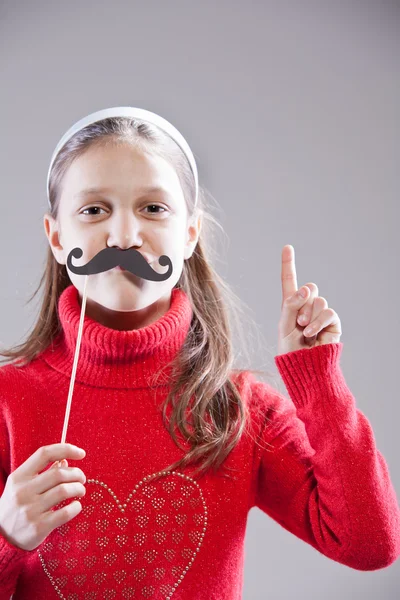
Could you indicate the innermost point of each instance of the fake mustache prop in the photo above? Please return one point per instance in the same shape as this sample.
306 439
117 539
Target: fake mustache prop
107 259
131 260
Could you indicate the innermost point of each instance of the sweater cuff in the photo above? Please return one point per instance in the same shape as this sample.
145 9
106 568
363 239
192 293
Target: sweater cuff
11 557
308 371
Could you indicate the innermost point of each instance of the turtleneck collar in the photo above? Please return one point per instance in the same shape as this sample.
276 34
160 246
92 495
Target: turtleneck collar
113 358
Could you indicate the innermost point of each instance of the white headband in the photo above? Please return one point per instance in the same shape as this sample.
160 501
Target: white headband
128 111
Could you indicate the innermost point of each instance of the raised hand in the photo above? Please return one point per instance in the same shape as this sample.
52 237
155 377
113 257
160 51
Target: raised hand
306 321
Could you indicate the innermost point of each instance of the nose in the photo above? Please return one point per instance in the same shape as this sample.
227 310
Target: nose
125 232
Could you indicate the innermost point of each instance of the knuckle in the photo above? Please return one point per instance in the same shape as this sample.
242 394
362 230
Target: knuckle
60 475
322 300
292 300
19 497
45 451
27 512
313 287
80 489
38 528
63 490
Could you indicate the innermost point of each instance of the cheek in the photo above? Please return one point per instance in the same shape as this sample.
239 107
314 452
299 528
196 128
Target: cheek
175 255
168 242
90 248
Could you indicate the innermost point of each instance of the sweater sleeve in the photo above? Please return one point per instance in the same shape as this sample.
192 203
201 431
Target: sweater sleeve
318 472
11 557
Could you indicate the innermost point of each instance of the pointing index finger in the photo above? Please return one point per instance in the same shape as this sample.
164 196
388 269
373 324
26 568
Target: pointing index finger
288 272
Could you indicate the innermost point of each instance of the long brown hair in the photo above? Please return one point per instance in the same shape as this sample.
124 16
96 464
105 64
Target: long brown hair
201 379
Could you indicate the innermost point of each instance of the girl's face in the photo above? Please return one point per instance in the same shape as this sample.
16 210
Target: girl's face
123 212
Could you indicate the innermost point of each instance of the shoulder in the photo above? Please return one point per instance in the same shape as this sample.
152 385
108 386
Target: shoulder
13 379
13 372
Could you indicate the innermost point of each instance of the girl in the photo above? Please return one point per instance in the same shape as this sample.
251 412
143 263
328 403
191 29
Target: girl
177 445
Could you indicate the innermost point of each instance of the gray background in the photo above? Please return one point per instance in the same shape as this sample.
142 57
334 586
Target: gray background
291 109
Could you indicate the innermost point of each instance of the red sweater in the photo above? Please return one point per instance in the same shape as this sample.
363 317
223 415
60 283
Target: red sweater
309 462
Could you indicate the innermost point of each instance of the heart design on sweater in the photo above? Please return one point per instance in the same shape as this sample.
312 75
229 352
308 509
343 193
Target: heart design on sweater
140 549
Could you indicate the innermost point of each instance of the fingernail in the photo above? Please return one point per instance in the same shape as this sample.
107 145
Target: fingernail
303 292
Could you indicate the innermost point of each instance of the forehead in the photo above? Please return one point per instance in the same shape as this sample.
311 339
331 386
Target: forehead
120 167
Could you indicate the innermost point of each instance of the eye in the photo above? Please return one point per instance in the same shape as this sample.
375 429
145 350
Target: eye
91 208
155 206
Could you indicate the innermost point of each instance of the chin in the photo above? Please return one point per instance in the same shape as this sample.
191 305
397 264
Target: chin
128 299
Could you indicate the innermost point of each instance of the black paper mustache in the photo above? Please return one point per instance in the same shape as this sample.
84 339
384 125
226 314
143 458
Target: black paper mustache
130 259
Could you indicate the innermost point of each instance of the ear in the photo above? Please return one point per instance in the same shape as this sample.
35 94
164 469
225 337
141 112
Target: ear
193 233
53 234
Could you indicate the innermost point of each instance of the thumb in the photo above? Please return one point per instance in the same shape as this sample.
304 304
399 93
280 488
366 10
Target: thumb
290 309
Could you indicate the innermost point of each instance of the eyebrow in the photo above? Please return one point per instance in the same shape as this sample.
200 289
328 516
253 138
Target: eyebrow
142 190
